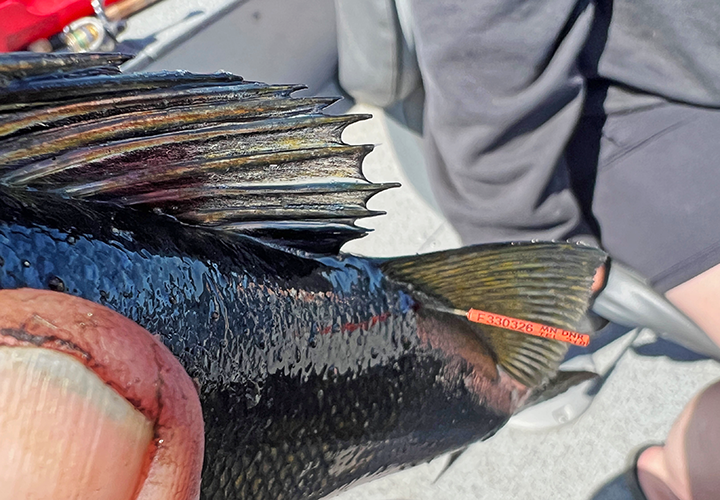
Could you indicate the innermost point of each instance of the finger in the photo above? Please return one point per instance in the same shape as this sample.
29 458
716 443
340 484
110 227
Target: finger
90 399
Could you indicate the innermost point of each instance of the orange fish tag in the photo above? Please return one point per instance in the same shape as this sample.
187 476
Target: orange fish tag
529 327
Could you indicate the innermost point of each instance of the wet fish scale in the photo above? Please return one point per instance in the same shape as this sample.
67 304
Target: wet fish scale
345 401
362 433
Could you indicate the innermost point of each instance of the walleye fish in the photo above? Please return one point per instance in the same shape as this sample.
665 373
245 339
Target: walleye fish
211 210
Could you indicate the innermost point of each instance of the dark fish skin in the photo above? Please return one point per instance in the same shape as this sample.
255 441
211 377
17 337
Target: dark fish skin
313 373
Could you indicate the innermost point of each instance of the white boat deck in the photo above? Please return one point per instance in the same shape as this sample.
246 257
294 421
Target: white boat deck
581 460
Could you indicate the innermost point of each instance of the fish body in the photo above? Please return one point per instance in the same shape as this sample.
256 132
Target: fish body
315 369
311 371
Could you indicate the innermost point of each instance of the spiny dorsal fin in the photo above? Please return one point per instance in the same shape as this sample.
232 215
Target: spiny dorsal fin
16 66
84 111
210 150
548 283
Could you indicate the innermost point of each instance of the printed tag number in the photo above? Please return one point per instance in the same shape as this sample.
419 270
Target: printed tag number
518 325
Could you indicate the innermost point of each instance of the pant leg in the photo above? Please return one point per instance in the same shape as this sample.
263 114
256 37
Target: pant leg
503 96
657 193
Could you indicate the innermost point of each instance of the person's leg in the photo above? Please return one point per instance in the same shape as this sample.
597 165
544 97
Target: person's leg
656 201
499 112
699 298
687 467
656 196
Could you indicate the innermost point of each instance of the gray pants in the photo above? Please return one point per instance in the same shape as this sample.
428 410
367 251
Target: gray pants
529 134
657 193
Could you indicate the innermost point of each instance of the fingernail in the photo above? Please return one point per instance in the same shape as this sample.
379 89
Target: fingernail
64 433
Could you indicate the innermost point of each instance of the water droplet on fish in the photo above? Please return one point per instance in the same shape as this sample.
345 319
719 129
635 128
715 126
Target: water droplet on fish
127 235
56 284
215 316
373 353
252 397
71 240
26 263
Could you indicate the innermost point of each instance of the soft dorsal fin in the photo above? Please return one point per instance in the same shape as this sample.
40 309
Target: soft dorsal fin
548 283
210 150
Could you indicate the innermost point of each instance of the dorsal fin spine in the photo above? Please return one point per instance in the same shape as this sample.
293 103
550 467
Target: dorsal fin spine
209 150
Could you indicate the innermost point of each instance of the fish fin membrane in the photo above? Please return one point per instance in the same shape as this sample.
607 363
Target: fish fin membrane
213 151
546 282
452 458
560 383
20 65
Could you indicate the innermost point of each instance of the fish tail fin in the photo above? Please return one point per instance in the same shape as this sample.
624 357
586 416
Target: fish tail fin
547 283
